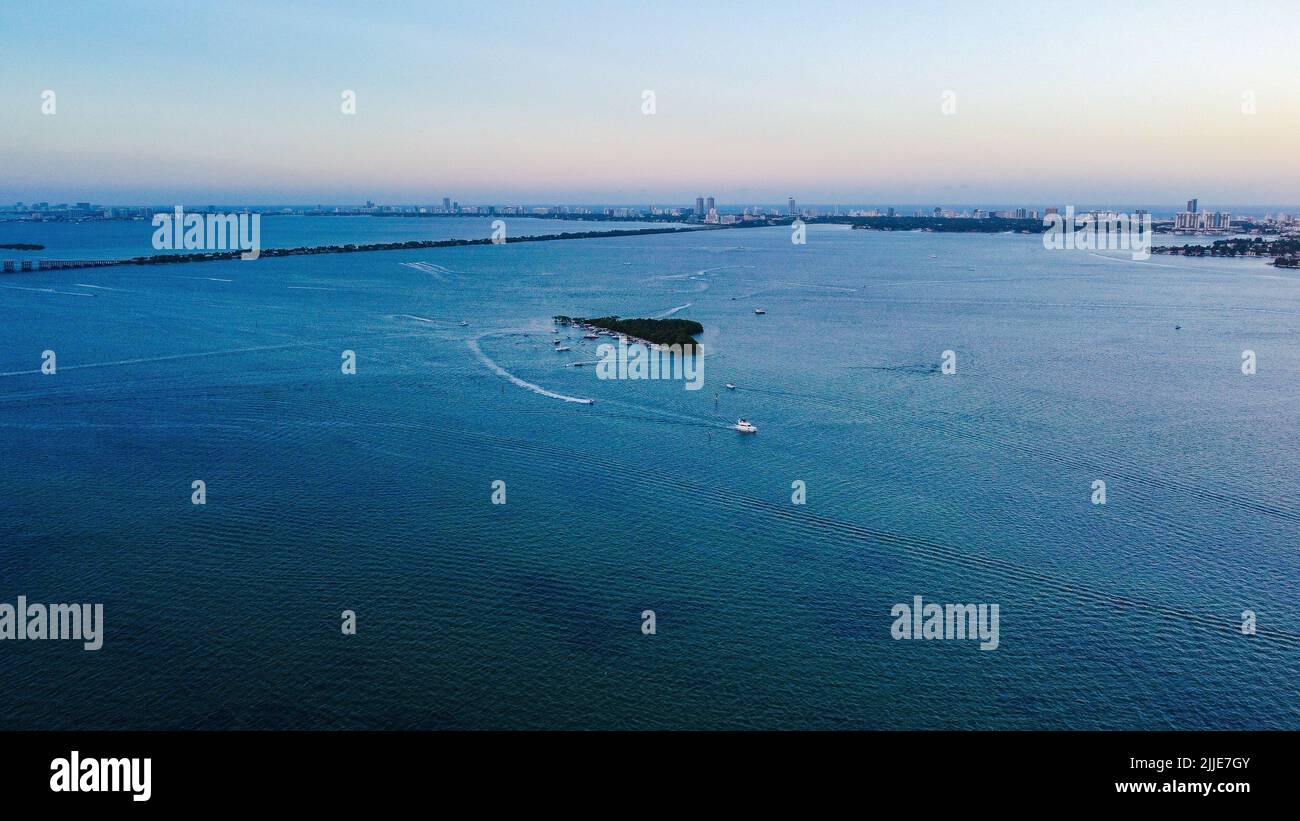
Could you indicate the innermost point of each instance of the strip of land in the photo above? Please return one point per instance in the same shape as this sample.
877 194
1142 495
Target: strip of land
1285 251
215 256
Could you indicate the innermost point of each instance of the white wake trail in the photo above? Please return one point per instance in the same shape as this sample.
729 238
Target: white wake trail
672 311
160 358
502 372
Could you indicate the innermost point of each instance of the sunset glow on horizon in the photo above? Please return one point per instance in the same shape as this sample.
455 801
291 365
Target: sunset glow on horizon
530 103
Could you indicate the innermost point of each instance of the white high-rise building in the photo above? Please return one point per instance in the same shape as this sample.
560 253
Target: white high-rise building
1203 221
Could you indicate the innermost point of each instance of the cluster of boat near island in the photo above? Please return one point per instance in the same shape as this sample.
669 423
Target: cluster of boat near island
595 332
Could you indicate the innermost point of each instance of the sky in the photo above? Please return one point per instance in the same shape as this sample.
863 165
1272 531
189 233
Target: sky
512 102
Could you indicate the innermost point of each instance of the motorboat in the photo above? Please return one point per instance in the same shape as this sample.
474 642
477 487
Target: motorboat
563 348
759 311
744 427
730 387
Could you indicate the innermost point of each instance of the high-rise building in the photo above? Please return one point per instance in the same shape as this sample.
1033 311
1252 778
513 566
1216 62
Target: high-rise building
1191 206
793 209
446 203
1202 220
708 205
699 206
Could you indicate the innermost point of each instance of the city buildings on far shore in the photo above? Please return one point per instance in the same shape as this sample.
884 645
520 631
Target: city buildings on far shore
1197 221
706 210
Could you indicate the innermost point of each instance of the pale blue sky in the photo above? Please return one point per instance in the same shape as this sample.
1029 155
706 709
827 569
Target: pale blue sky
541 102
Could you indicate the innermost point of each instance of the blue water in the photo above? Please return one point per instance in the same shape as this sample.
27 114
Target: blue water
372 492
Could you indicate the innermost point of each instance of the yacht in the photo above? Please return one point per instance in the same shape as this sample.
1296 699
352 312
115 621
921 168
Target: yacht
464 323
759 311
563 348
730 387
591 336
745 427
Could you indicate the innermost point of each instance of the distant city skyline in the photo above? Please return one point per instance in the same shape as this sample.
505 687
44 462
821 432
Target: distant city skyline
432 206
533 104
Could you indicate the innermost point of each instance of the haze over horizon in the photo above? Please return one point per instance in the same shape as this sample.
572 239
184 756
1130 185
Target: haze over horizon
537 104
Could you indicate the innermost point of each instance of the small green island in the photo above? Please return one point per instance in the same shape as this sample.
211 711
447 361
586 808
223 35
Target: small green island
654 331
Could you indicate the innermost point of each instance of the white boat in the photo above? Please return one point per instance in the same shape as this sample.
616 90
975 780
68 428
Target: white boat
759 311
563 348
591 336
744 427
730 387
464 323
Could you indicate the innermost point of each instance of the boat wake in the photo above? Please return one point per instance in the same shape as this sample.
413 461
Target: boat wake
505 374
436 271
169 358
45 290
420 318
672 311
657 414
98 287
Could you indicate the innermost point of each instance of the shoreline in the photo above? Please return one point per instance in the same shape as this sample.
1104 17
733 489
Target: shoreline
34 265
1284 250
592 326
